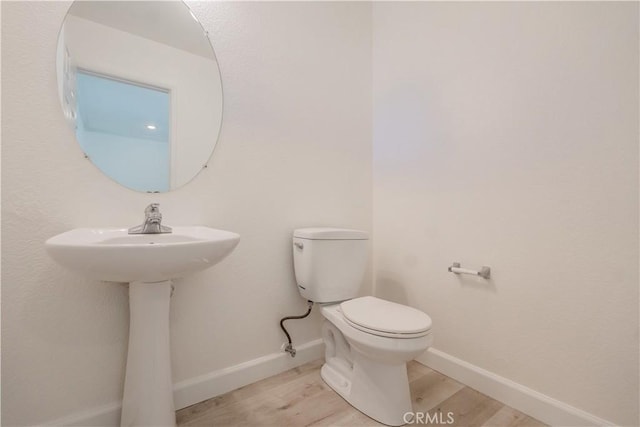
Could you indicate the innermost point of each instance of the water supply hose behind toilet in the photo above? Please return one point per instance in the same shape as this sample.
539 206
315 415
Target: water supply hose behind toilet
289 348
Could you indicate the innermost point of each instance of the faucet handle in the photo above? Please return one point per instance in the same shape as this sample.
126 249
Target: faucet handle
152 214
153 207
152 222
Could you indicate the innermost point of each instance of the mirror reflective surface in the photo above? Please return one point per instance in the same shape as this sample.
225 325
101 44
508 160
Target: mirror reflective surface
140 85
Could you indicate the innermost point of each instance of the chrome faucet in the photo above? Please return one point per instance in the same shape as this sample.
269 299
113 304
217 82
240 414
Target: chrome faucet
152 222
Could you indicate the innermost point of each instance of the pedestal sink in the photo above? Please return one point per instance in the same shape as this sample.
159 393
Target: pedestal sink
148 262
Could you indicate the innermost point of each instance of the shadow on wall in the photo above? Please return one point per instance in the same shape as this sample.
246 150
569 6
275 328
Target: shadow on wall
390 287
470 281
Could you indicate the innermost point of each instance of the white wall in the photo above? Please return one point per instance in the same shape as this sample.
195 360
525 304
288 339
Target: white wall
506 134
295 151
193 82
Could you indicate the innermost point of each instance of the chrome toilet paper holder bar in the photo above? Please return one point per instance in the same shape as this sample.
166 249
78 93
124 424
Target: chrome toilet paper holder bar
485 272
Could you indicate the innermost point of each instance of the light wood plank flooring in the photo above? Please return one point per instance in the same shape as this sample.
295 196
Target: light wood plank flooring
299 397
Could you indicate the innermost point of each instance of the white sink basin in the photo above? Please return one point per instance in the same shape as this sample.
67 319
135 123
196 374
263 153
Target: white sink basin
111 254
148 262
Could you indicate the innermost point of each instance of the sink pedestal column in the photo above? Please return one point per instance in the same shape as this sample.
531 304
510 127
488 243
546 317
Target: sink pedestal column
148 386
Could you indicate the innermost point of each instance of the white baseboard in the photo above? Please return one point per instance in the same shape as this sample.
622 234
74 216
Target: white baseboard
206 386
105 415
517 396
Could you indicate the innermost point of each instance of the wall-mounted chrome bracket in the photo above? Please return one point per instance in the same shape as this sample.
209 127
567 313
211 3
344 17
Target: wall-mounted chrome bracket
485 272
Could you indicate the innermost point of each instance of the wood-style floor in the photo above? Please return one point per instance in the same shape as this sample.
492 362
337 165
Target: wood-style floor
299 397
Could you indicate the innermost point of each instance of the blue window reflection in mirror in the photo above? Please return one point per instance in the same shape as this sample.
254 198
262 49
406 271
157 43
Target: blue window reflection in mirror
124 127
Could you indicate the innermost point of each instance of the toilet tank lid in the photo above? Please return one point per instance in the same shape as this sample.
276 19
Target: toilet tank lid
329 233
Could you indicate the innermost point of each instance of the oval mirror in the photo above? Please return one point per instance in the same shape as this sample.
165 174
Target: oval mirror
140 85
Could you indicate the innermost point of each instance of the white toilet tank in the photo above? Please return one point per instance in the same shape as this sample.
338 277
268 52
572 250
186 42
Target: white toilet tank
329 262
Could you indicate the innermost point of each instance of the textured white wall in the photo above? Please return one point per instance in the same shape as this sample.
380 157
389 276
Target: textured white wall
295 151
506 134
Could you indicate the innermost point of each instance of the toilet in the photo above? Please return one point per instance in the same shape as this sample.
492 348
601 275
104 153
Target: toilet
368 341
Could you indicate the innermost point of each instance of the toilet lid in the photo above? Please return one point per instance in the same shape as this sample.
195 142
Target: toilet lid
384 316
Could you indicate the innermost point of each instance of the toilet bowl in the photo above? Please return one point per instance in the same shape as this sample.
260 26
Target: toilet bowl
369 369
368 340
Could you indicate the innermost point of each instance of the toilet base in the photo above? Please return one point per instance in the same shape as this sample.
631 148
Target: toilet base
369 371
378 391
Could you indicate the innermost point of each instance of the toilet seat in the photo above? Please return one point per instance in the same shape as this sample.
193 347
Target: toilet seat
384 318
